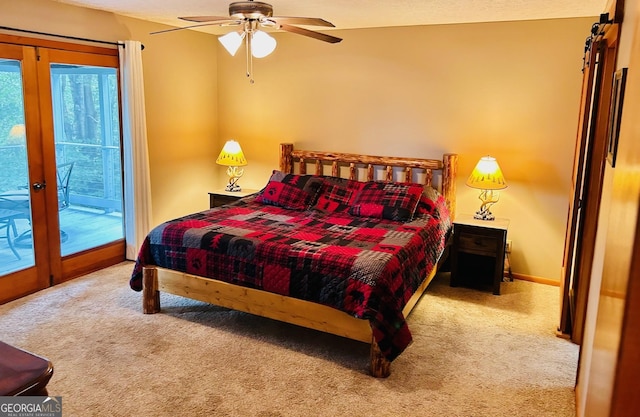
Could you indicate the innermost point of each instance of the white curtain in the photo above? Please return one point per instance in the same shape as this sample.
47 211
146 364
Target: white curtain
137 189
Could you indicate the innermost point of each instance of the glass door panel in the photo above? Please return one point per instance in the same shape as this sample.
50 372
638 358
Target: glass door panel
87 148
24 261
16 248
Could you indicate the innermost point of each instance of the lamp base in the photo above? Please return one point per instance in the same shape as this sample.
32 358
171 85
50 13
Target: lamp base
488 198
484 215
234 174
233 188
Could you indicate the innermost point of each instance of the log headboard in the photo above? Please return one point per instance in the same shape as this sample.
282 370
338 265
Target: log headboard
412 168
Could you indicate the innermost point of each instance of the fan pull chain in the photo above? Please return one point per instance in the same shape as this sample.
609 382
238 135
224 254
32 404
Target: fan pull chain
249 57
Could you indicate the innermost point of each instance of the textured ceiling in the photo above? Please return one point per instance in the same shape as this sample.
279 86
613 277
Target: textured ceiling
360 13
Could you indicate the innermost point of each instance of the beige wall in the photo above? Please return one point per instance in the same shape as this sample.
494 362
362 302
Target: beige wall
182 117
506 89
181 95
509 89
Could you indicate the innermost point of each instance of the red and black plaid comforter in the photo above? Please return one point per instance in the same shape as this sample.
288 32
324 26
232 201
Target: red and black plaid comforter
366 267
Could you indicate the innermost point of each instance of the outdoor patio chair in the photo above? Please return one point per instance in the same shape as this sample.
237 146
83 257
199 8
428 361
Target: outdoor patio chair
63 174
7 223
18 200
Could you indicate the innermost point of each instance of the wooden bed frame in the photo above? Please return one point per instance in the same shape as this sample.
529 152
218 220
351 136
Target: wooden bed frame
292 310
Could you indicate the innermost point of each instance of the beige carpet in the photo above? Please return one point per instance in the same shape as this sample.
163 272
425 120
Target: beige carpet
474 354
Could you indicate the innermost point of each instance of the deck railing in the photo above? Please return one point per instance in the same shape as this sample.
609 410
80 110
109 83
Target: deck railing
96 179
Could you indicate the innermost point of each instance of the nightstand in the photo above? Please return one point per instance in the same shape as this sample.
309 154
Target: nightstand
478 252
221 197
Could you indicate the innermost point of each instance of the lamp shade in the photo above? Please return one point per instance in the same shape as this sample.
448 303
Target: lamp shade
487 175
232 41
262 44
231 155
17 131
17 135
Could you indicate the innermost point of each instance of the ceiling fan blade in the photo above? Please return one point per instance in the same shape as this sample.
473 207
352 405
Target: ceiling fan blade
310 33
308 21
203 19
185 27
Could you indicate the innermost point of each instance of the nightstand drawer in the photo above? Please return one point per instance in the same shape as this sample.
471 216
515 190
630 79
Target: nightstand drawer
221 200
222 197
477 244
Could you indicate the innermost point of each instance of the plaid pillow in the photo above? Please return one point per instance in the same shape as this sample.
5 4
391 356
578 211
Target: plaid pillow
428 201
296 192
337 194
387 200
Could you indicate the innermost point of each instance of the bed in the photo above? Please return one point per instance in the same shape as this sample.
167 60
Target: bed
336 253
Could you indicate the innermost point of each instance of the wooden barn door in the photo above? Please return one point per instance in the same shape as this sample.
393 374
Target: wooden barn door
587 181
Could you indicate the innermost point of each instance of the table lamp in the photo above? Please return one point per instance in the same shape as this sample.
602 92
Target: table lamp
17 134
231 156
487 177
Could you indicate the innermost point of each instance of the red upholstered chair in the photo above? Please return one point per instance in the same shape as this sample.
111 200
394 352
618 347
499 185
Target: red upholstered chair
22 372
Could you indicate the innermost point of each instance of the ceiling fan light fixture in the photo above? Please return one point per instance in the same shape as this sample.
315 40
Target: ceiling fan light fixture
232 41
252 15
262 44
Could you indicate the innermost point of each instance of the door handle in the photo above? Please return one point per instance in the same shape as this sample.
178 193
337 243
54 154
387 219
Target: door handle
37 186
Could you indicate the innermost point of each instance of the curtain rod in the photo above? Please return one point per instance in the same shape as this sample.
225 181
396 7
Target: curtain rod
64 36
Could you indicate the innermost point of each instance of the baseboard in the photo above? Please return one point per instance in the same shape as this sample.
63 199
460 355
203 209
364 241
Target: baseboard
539 280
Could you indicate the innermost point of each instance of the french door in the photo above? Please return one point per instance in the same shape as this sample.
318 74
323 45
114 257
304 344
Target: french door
60 164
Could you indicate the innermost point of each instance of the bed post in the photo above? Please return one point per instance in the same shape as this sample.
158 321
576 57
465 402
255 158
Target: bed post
286 160
150 293
449 172
380 366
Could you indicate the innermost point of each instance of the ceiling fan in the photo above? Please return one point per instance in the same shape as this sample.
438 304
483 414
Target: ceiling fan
251 16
